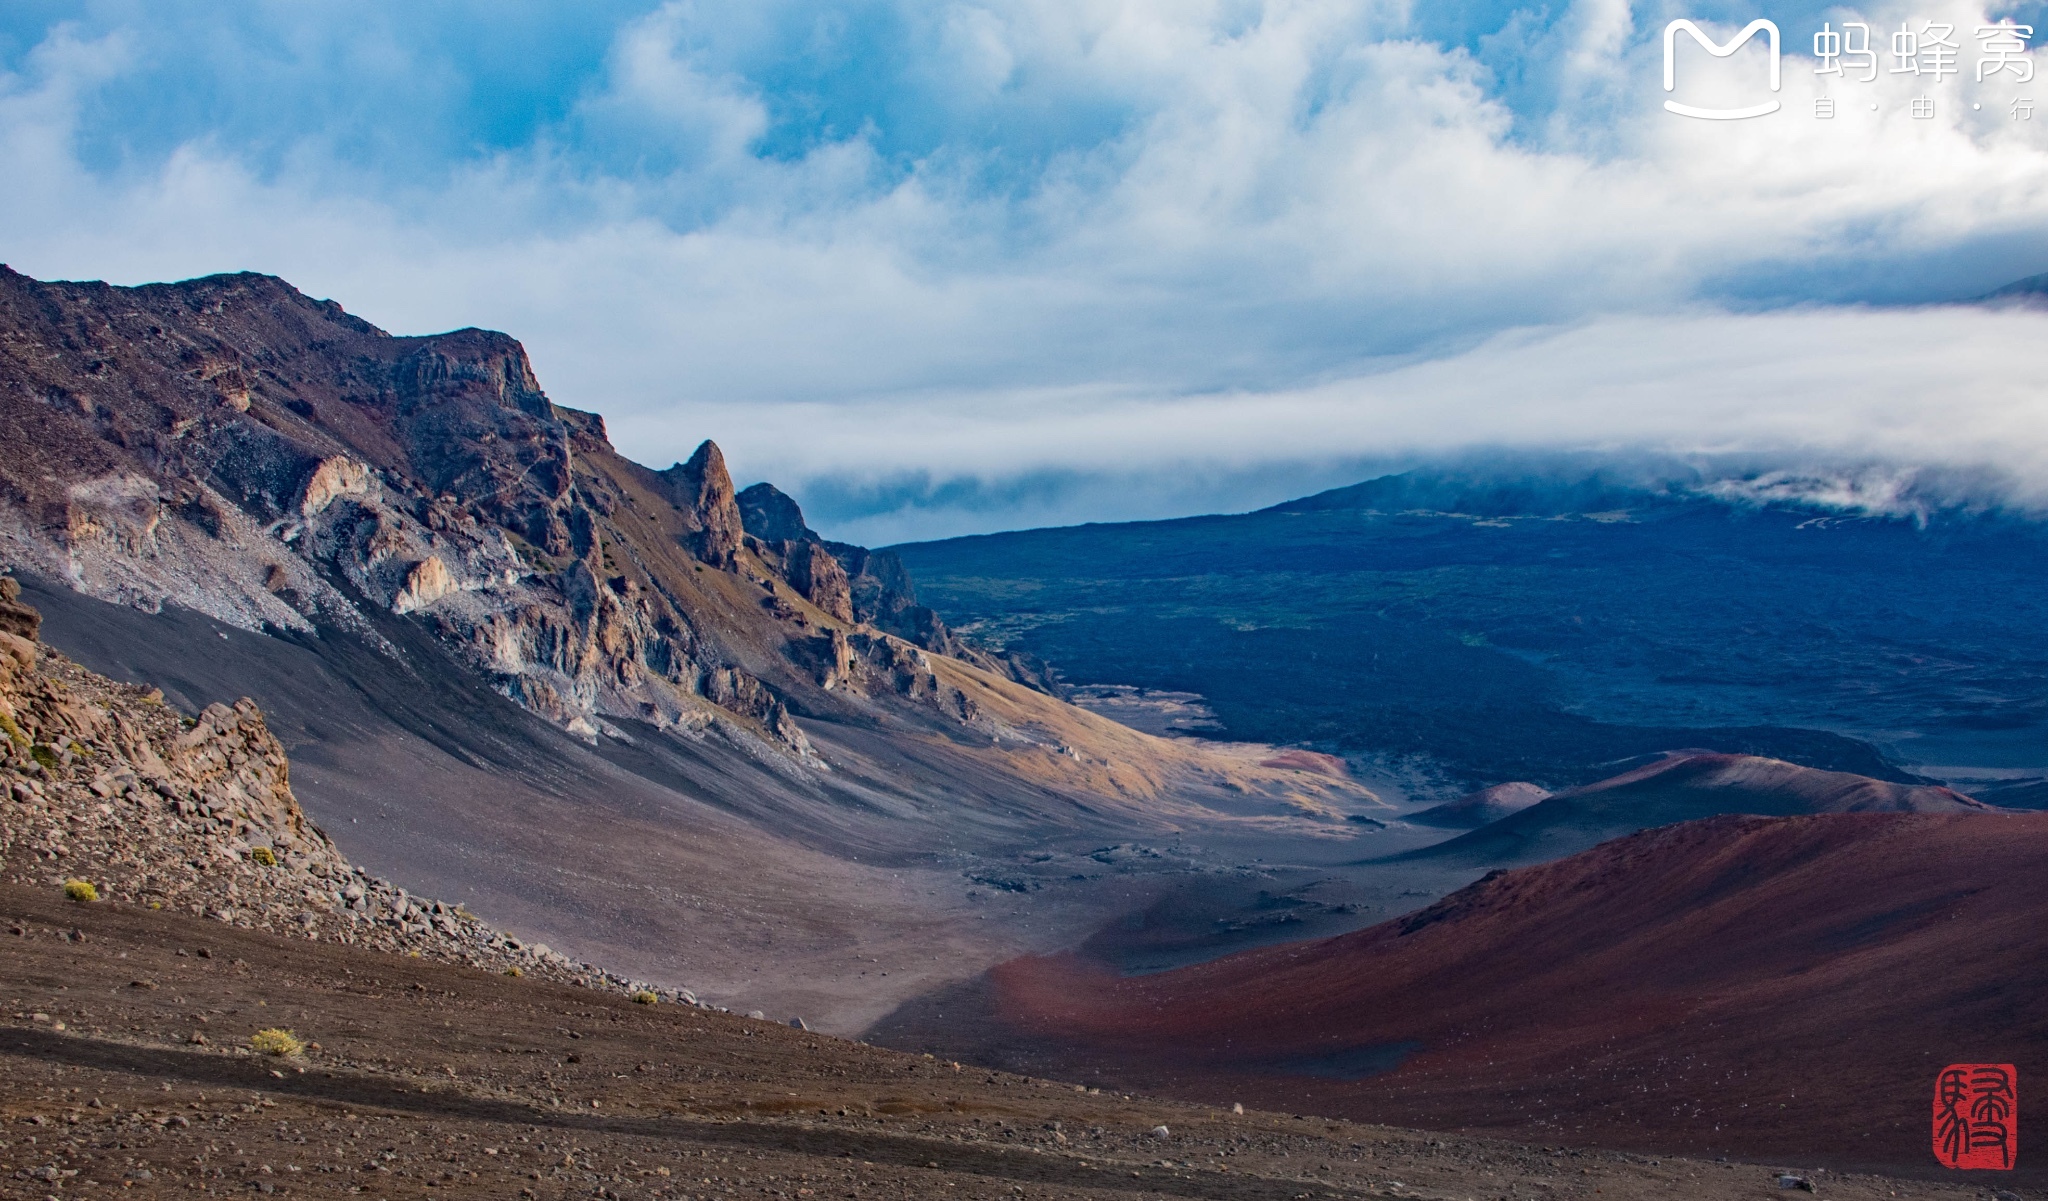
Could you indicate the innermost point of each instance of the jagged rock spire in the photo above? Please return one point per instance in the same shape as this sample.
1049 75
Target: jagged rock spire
702 489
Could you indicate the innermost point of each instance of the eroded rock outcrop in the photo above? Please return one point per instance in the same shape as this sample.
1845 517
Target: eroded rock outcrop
334 476
871 663
428 581
864 587
812 571
16 618
776 523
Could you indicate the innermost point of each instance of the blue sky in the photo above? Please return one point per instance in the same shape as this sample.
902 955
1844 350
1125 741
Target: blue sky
939 267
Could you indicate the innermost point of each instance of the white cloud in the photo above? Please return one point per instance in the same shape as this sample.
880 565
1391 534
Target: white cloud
1217 224
1822 389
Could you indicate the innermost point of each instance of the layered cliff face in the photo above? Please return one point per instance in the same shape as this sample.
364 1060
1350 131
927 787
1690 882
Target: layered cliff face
234 447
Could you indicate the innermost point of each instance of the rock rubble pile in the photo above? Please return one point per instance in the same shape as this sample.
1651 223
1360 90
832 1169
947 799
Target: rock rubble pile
103 782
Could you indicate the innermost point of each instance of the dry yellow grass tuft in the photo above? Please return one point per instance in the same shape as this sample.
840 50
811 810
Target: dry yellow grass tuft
276 1042
81 891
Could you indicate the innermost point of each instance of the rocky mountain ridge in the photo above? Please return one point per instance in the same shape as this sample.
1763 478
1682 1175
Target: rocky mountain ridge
229 445
866 587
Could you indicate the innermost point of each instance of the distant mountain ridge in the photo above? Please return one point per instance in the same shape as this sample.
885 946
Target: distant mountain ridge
2032 290
1520 622
1534 487
1481 495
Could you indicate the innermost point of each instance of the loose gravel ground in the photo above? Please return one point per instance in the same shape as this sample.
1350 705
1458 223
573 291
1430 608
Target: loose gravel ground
126 1069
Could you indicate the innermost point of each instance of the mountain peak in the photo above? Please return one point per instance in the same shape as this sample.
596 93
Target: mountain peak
772 515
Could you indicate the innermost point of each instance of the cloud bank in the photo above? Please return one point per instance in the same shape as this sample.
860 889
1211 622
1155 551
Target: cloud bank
1880 396
939 267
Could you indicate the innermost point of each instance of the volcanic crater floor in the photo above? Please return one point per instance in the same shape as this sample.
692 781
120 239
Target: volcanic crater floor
127 1071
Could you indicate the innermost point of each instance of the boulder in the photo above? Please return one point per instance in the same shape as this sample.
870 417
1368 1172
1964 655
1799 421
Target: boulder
333 477
428 581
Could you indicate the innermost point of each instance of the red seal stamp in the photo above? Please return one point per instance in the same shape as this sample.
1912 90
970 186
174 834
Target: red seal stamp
1977 1116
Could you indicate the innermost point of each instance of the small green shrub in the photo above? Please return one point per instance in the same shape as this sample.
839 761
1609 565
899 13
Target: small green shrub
276 1042
81 891
263 856
13 731
644 997
514 971
45 755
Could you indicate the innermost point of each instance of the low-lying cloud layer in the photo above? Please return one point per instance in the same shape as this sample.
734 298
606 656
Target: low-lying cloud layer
1869 395
946 266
